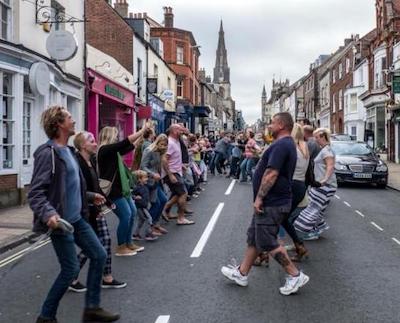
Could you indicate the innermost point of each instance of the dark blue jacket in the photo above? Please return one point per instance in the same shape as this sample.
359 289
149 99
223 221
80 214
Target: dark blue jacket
144 192
47 195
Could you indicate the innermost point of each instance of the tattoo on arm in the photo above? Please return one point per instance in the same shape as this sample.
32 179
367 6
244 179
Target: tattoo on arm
268 180
282 259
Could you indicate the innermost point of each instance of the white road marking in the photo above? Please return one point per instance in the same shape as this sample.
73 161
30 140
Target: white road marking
20 254
395 240
337 196
230 187
347 203
376 226
163 319
207 232
359 213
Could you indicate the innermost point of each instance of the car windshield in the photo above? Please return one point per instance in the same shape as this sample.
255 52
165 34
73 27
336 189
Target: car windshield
349 148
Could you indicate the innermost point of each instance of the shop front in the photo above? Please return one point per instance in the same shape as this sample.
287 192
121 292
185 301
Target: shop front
109 104
157 113
201 114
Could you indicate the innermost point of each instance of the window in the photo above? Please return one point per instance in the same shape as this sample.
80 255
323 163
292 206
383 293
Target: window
179 54
346 104
333 76
5 15
179 88
155 70
347 65
340 71
340 99
57 10
353 102
7 121
334 103
354 131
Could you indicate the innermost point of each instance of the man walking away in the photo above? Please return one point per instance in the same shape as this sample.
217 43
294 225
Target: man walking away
58 190
272 201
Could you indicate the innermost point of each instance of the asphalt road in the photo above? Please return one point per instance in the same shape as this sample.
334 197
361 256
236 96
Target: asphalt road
353 269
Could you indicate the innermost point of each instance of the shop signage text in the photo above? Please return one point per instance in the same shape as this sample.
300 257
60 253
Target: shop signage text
114 92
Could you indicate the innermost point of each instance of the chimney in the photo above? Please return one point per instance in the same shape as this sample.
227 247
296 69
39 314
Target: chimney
144 15
168 17
121 6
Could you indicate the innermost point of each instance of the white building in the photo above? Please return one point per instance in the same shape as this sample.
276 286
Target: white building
324 90
30 81
354 110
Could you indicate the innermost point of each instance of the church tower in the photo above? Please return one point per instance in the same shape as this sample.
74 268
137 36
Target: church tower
263 104
221 69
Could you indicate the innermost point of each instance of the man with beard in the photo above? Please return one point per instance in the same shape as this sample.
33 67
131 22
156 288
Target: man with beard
272 202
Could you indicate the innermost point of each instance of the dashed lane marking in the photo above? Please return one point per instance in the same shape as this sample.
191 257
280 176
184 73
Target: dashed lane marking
359 213
347 203
397 241
337 196
163 319
376 226
230 187
207 232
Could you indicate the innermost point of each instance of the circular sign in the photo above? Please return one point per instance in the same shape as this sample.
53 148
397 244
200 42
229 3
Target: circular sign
39 78
61 45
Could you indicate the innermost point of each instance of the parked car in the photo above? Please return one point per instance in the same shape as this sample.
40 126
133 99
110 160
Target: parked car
342 137
356 162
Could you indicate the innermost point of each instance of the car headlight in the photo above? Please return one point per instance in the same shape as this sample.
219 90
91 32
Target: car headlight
339 166
381 168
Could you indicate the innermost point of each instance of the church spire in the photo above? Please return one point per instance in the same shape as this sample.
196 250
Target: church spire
264 92
221 69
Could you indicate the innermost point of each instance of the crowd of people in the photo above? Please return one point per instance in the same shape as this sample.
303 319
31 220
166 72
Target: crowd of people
84 183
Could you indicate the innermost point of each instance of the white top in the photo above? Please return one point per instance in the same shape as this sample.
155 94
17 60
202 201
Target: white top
320 166
301 166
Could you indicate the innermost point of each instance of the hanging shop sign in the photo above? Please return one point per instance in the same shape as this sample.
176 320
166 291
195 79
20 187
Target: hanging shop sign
61 45
39 78
152 85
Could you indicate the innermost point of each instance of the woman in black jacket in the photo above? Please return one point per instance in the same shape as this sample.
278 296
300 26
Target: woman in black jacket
86 145
112 168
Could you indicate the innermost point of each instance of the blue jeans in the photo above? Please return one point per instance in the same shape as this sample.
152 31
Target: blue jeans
246 168
64 246
158 206
126 212
216 162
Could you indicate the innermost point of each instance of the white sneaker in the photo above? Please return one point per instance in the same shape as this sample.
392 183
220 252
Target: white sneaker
232 273
293 284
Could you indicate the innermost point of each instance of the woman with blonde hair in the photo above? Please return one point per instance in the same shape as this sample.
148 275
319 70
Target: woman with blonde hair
152 161
112 169
311 220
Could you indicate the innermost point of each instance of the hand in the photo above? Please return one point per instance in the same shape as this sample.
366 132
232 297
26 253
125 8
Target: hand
323 182
173 179
99 199
52 223
156 177
258 206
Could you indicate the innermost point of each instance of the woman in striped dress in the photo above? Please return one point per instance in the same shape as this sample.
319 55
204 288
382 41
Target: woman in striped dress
311 221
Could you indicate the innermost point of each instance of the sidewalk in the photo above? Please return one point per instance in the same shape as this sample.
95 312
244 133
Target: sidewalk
16 223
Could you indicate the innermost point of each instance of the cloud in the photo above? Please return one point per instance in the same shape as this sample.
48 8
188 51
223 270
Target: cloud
265 38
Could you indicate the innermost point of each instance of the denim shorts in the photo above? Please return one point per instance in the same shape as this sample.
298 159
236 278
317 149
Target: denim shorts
264 228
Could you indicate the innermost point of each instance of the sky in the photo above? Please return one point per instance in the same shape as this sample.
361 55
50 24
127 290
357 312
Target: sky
265 38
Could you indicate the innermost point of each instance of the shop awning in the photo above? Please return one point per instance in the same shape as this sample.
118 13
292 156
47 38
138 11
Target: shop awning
202 111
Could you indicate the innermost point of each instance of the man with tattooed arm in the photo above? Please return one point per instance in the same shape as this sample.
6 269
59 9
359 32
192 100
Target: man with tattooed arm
272 182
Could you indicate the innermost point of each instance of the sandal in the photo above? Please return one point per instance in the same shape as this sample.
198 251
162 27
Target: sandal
185 222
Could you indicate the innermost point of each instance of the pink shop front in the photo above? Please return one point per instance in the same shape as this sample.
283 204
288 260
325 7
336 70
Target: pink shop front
109 104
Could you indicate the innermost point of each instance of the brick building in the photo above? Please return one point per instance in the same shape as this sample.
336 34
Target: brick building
341 78
181 53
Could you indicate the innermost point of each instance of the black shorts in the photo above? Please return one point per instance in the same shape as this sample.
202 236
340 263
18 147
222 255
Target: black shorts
264 228
177 188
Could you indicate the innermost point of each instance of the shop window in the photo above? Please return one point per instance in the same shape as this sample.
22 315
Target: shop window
26 131
179 54
7 121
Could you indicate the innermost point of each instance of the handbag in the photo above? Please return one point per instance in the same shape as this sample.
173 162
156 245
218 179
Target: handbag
105 184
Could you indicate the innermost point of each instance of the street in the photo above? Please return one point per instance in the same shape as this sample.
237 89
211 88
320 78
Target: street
353 269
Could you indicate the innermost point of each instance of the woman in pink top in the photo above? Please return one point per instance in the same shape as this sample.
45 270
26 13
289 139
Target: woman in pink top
248 163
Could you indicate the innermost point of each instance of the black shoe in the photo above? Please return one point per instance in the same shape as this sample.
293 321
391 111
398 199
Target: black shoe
113 284
99 315
77 288
43 320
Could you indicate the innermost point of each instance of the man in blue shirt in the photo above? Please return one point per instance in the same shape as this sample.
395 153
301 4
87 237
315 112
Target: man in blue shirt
272 182
58 190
